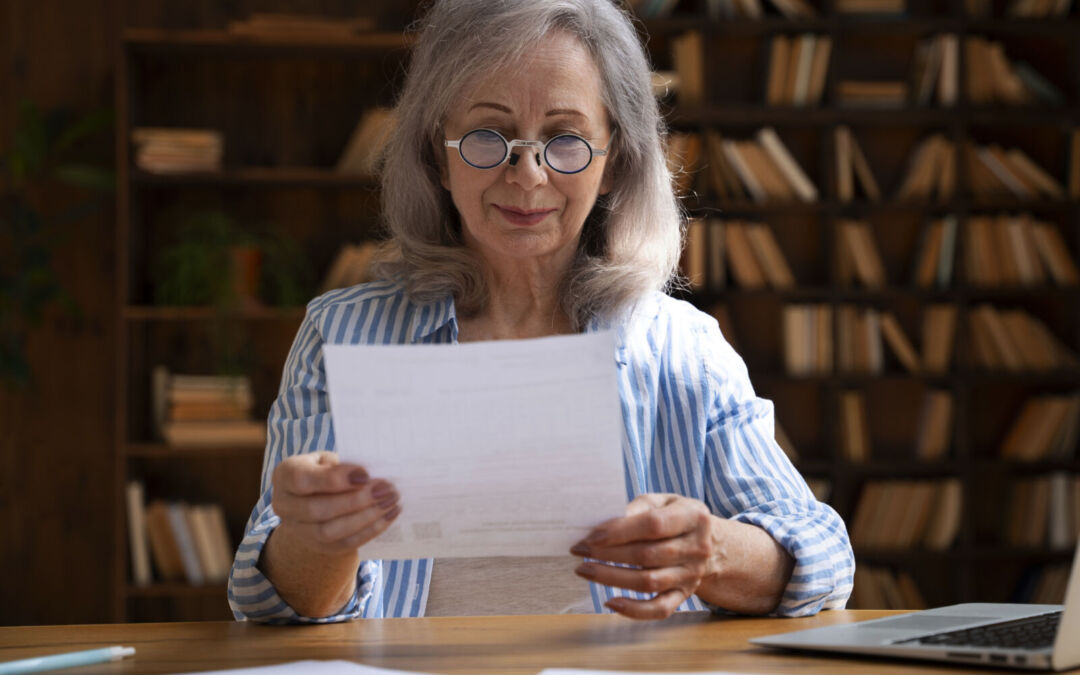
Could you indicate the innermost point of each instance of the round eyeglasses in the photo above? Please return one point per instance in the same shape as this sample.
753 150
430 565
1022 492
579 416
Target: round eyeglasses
487 149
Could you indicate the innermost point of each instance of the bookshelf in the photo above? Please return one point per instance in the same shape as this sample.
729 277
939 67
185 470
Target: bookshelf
285 106
980 564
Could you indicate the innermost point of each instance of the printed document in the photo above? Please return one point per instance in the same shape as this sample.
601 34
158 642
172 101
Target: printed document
501 448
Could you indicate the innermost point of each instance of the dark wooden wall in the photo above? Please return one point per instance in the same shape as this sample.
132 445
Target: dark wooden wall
56 447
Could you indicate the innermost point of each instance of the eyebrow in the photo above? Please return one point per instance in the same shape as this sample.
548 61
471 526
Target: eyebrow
551 113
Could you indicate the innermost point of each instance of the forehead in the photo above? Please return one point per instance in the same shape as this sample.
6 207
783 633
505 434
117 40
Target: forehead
557 73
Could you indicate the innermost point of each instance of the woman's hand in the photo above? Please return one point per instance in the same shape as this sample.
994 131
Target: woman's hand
331 508
672 539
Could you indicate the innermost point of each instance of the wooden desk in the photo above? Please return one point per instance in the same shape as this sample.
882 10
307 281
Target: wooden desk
511 645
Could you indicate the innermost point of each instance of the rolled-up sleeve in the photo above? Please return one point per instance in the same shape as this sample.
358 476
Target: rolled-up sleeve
299 422
748 478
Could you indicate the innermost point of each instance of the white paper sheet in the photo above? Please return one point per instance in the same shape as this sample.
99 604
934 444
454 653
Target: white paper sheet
503 448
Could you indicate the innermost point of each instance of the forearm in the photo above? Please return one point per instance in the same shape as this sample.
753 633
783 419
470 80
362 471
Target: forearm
313 583
752 569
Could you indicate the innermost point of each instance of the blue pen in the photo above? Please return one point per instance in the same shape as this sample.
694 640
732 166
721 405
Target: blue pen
69 660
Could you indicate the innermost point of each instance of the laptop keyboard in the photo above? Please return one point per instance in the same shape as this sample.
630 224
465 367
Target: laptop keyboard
1034 632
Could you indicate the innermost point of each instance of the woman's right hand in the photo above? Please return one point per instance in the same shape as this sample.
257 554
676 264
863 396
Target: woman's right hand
329 507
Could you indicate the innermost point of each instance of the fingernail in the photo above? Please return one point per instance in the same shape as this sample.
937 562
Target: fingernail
382 490
596 537
358 477
392 513
387 502
579 549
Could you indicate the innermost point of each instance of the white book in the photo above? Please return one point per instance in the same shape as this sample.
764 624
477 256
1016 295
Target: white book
137 534
794 174
189 557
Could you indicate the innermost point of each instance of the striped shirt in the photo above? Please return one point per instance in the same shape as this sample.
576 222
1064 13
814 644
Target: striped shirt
692 426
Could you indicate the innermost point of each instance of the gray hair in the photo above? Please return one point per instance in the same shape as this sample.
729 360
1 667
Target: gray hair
631 240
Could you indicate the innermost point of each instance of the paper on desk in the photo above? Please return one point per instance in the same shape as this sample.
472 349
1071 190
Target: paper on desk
502 448
314 667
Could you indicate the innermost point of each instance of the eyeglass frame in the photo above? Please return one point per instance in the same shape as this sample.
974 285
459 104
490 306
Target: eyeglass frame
537 145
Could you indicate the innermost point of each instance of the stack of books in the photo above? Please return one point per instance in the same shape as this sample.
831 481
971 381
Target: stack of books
935 67
797 69
366 144
859 349
1044 512
1016 250
160 150
992 78
205 410
186 542
872 93
931 170
763 168
997 172
284 26
883 588
1015 341
1047 429
907 514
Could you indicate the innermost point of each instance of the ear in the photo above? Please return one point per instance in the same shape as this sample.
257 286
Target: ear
607 181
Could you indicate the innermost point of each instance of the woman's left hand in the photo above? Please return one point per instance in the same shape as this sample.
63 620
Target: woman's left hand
671 538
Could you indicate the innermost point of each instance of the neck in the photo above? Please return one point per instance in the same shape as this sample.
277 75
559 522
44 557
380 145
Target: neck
520 305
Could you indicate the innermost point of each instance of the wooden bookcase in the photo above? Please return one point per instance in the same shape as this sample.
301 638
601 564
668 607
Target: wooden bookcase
286 108
979 566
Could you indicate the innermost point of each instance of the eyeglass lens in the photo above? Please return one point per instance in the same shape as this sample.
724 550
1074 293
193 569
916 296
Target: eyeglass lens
486 149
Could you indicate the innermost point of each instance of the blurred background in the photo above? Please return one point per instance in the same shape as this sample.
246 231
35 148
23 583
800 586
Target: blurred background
885 220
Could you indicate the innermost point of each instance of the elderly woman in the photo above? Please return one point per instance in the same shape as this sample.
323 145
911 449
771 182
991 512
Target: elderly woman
526 194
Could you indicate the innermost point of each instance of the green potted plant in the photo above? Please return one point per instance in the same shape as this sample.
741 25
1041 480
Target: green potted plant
47 150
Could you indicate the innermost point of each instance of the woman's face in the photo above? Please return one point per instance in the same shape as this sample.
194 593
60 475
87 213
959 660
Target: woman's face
528 212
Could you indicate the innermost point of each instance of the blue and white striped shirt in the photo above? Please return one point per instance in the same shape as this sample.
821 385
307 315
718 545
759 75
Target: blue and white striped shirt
692 426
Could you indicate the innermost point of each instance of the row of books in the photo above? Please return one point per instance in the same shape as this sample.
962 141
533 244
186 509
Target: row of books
1046 428
1043 585
761 168
1038 8
810 347
748 249
935 70
1013 340
998 251
1044 511
907 514
204 410
764 170
884 588
186 542
175 150
851 93
933 429
992 78
797 68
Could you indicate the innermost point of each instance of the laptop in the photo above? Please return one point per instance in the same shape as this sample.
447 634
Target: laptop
1035 637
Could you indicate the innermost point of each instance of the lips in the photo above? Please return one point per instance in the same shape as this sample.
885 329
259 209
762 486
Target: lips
523 217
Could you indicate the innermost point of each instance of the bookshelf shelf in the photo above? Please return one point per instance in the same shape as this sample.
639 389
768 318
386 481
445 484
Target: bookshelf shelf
147 313
270 177
149 40
165 452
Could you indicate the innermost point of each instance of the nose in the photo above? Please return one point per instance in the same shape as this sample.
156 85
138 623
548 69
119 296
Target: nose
528 174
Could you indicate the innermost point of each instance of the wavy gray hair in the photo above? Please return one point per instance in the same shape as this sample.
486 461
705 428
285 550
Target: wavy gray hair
631 240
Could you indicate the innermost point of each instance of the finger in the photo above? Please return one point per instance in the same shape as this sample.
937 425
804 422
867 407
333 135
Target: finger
660 607
317 474
349 530
375 529
320 508
642 580
648 501
671 520
682 550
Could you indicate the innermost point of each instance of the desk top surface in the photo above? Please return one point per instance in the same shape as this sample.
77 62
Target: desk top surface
687 642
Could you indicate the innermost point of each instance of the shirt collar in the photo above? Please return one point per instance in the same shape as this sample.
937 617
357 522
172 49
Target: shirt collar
429 318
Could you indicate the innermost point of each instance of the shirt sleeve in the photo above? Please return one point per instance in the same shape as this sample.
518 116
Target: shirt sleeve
748 478
299 422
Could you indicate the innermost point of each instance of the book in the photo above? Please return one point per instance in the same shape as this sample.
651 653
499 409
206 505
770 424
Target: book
716 267
855 443
929 251
872 93
199 528
694 254
948 80
948 510
365 145
163 544
779 55
209 434
138 539
939 325
1029 171
898 341
687 56
845 169
794 174
189 559
806 46
819 70
862 169
1054 253
769 256
934 427
742 169
744 265
862 257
